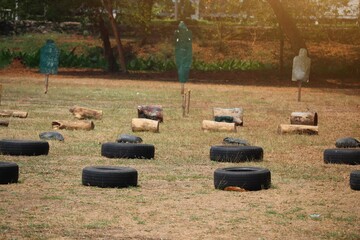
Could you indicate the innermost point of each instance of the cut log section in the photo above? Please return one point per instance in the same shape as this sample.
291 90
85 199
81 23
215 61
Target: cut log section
236 113
4 123
298 129
144 125
153 112
304 118
86 113
9 113
213 126
73 125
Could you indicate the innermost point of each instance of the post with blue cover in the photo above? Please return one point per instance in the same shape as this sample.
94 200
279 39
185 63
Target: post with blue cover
183 60
49 60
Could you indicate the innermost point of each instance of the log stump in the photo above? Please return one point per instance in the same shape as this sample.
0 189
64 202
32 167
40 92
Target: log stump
304 118
9 113
86 113
153 112
235 113
298 129
213 126
73 125
144 125
4 123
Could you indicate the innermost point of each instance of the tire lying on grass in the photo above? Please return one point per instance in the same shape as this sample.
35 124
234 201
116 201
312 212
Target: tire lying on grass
234 153
342 156
355 180
127 150
109 176
248 178
9 172
23 147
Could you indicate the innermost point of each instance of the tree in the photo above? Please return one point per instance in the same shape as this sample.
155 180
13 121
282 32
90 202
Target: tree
108 6
288 26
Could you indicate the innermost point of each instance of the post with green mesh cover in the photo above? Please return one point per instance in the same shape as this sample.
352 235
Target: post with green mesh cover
183 59
49 60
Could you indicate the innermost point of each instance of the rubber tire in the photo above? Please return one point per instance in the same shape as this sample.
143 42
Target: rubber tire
248 178
23 147
109 176
355 180
9 172
235 153
349 156
127 150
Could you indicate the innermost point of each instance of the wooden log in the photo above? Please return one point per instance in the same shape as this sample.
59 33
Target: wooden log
208 125
86 113
153 112
73 125
304 118
236 113
9 113
298 129
144 125
4 123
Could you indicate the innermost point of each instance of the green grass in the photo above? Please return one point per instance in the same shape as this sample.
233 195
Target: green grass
176 197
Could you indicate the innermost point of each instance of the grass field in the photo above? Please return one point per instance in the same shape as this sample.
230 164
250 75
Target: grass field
176 198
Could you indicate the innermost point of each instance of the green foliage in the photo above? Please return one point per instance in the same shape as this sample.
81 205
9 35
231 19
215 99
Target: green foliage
229 65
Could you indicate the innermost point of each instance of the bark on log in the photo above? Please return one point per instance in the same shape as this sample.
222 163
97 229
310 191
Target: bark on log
208 125
73 125
236 113
153 112
304 118
9 113
86 113
298 129
144 125
4 123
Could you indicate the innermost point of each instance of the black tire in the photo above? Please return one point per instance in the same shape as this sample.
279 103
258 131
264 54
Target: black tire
342 156
109 176
127 150
248 178
234 153
9 172
23 147
355 180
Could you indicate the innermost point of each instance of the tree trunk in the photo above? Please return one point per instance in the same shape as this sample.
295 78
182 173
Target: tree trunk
108 6
86 113
288 26
213 126
144 125
304 118
298 129
145 8
109 55
73 125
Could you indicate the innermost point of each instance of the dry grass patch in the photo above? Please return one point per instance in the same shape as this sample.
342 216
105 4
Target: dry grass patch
176 197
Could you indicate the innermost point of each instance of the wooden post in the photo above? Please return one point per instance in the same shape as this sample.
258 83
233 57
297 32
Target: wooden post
46 83
299 91
188 102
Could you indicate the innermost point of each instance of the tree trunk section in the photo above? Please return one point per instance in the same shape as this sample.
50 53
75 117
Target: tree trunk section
288 26
73 125
4 123
86 113
144 125
236 113
298 129
109 55
108 6
18 114
304 118
212 126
